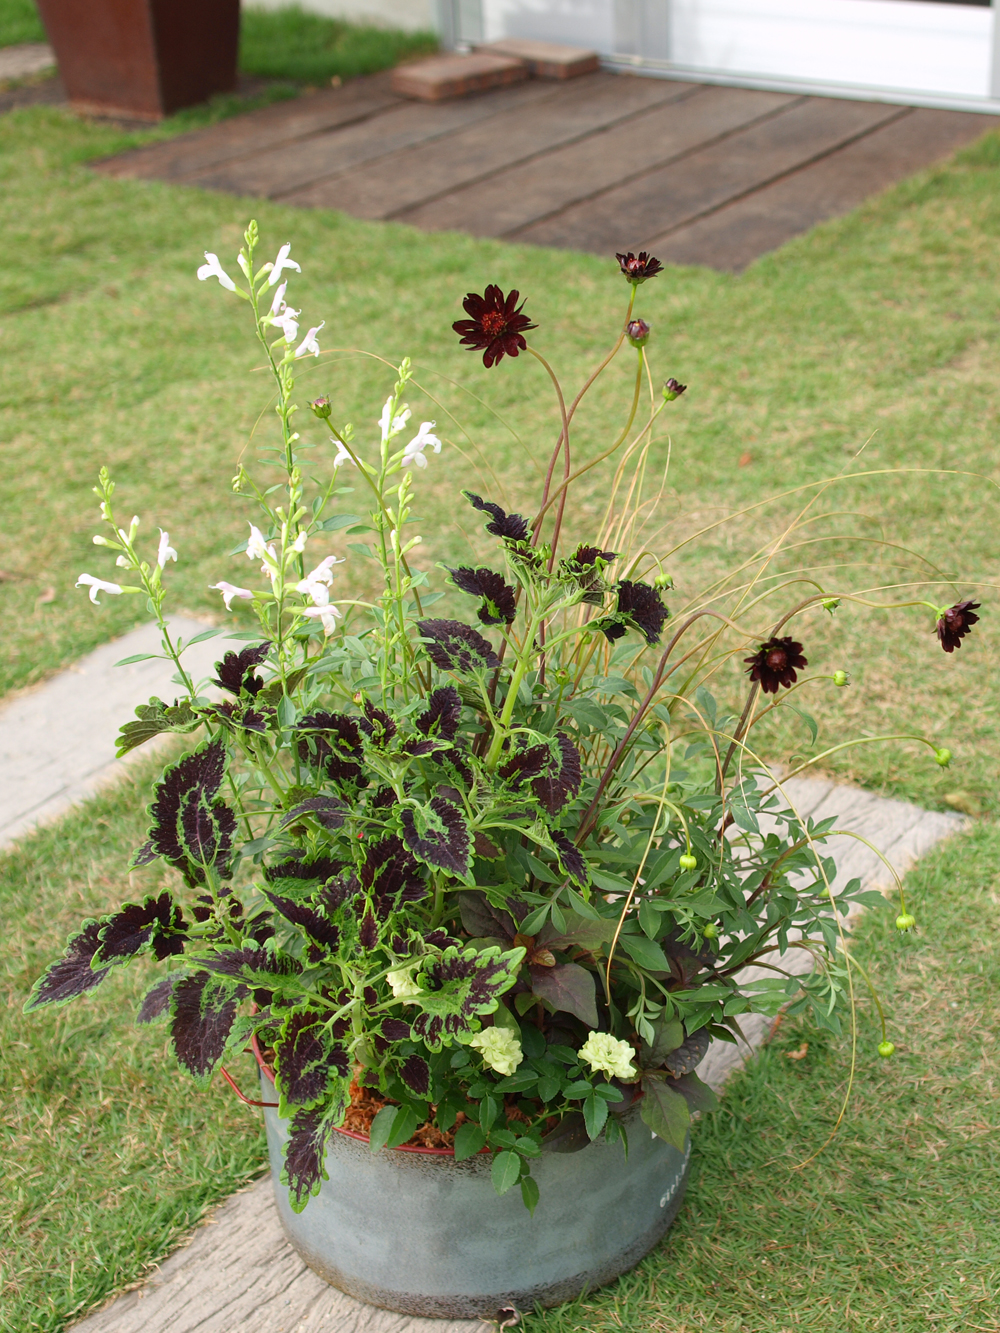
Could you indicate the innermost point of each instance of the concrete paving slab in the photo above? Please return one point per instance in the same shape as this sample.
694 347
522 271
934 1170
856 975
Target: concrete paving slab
57 741
20 62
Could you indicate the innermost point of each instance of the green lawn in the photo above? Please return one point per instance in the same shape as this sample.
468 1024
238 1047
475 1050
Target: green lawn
109 1153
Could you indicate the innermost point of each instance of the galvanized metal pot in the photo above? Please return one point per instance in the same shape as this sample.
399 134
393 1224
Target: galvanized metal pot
417 1232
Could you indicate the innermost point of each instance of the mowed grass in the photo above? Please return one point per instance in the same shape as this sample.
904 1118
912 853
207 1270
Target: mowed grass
876 332
110 1153
289 43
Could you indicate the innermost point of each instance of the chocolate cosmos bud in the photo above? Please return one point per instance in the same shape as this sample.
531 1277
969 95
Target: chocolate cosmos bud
321 407
672 390
637 332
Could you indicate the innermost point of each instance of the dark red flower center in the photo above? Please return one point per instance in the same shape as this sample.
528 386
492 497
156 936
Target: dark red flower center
492 322
777 659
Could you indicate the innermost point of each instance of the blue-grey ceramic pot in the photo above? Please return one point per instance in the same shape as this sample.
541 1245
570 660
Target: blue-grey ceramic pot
418 1232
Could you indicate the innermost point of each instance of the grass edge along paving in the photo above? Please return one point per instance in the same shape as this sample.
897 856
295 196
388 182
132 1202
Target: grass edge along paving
111 1154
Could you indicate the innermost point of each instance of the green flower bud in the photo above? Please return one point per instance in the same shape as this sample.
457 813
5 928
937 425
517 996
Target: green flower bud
321 408
689 862
841 678
711 931
942 757
672 389
830 604
905 921
663 581
885 1049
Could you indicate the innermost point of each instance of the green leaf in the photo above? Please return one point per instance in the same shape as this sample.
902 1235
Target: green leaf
529 1193
548 1086
205 634
469 1139
665 1111
698 1095
489 1109
534 921
381 1128
644 952
595 1113
403 1126
649 919
506 1171
338 521
582 1088
610 883
138 657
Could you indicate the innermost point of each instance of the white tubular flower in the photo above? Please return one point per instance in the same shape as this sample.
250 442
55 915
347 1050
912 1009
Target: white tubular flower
402 984
309 343
299 544
342 455
499 1048
393 426
96 586
258 549
281 263
166 551
608 1055
413 454
317 581
241 259
287 323
327 614
229 591
279 300
213 269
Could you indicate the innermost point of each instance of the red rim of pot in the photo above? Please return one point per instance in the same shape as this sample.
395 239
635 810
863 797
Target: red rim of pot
348 1133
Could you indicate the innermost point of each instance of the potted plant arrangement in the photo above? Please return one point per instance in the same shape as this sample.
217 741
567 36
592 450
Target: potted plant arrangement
477 892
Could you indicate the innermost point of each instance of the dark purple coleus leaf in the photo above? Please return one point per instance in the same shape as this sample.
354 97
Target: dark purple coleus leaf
71 975
310 1062
255 965
639 607
329 811
499 604
299 867
236 670
525 765
394 1029
202 1010
384 799
441 718
511 526
303 1170
377 725
568 987
562 778
438 835
416 1075
459 986
391 876
368 930
481 919
156 1001
440 939
586 567
571 860
157 922
314 923
331 744
457 647
192 828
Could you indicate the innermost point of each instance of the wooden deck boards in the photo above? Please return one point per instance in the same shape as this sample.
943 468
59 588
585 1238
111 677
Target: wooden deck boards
704 175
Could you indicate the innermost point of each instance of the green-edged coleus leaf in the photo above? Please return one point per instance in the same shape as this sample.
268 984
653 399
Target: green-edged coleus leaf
390 876
415 1074
156 923
499 600
236 670
72 974
665 1110
256 965
572 862
512 527
311 1064
154 718
156 1001
192 827
330 743
567 987
639 607
561 779
585 568
525 765
313 922
441 718
329 811
458 987
377 727
304 1169
438 834
202 1009
452 646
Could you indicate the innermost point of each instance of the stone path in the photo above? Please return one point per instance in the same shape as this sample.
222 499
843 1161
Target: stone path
699 174
20 62
239 1274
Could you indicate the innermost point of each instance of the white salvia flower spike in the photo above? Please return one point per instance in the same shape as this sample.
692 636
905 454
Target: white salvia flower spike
166 551
391 426
343 456
96 586
327 614
279 300
241 259
309 343
287 323
213 269
413 454
281 263
229 591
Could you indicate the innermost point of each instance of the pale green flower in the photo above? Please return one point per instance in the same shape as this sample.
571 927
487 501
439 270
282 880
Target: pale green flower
499 1048
609 1055
403 985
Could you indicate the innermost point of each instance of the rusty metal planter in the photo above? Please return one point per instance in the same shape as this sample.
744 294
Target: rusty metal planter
143 58
417 1232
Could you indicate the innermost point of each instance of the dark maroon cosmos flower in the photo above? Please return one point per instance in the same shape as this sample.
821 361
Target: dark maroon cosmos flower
774 663
496 326
955 624
637 268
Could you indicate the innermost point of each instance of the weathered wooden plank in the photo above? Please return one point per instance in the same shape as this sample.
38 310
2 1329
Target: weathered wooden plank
739 233
669 196
280 123
289 167
388 187
501 205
